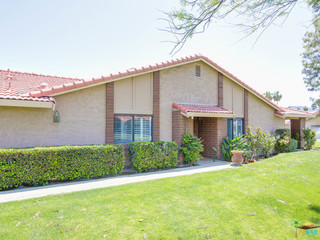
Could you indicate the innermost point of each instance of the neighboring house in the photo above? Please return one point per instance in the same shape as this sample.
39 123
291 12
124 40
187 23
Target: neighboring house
160 102
314 123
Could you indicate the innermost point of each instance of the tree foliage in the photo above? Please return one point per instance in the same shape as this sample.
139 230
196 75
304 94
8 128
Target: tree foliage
276 96
268 95
311 58
195 16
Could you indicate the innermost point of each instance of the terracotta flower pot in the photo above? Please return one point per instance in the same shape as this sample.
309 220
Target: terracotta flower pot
237 156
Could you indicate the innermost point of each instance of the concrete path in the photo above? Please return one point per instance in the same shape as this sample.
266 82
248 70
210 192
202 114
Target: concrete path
35 192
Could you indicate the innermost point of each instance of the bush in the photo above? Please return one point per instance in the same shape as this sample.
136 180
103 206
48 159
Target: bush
191 147
293 145
259 143
309 137
153 155
39 165
283 132
283 144
229 144
283 140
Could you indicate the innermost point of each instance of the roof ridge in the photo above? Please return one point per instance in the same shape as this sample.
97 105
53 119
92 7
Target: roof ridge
40 75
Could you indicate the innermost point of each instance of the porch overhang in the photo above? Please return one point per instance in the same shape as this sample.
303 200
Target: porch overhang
289 113
202 110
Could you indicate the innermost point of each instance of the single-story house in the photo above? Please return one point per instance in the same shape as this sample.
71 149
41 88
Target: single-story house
160 102
314 123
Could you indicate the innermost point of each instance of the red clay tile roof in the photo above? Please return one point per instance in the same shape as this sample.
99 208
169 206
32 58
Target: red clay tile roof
200 108
28 84
23 83
294 112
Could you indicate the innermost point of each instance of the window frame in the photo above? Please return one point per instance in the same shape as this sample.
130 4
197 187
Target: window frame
233 120
133 121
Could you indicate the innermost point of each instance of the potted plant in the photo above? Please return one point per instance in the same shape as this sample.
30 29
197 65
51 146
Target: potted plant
237 156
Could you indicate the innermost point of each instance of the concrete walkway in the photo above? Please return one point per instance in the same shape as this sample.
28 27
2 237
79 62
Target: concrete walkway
35 192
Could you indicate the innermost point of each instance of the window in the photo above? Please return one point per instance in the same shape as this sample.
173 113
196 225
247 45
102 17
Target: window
235 127
129 128
198 72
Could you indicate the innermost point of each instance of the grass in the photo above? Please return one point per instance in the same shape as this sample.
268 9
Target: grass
317 145
257 201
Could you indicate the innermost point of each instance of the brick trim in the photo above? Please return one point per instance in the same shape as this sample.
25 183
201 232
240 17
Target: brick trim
156 106
220 89
246 110
109 113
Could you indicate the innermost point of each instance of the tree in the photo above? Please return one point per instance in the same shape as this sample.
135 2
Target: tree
268 95
195 16
277 96
311 60
305 108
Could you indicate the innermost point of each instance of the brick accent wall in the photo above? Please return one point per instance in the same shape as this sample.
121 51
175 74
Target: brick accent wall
245 110
211 131
220 89
156 106
110 113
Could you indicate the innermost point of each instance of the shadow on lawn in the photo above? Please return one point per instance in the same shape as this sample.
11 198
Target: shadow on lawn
316 209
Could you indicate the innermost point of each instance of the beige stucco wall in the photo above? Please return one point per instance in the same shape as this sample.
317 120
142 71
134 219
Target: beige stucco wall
313 122
262 115
82 121
134 95
179 84
233 97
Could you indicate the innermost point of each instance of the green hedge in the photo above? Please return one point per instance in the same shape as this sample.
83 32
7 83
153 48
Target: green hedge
293 145
37 166
153 155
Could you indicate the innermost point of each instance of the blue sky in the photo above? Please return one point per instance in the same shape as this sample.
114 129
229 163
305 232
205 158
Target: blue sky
90 38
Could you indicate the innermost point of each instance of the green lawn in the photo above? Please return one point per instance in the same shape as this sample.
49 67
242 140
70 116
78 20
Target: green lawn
257 201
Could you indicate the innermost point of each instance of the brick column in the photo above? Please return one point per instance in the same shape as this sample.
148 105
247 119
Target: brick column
220 89
245 111
178 128
156 106
109 113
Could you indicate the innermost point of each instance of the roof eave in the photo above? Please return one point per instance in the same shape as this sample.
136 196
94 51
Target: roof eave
205 114
26 103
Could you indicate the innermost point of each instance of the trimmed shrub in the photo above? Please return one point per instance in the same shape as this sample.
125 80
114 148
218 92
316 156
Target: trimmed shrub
191 147
153 155
309 137
293 145
39 165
